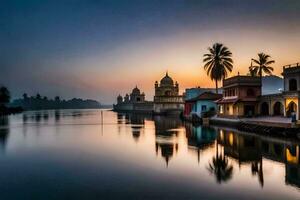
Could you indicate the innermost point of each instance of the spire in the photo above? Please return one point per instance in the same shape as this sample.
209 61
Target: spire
167 73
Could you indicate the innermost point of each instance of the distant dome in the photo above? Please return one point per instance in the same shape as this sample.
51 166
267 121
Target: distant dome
136 90
167 80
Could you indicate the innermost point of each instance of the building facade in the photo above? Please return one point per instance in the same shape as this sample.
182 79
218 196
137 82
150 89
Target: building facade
167 99
285 103
203 103
240 96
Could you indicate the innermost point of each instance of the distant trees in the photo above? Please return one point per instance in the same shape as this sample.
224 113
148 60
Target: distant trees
38 103
261 65
218 62
4 96
4 101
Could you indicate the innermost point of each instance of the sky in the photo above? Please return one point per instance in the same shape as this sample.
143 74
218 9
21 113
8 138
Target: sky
98 49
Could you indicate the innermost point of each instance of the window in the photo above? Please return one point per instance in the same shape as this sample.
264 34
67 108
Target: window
203 108
250 92
292 84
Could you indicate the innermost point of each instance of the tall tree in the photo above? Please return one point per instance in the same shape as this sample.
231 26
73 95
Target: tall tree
262 65
4 96
218 62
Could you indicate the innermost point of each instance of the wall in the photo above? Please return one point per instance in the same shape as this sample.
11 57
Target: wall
197 107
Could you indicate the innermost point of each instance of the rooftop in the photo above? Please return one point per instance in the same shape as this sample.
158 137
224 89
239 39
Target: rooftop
241 80
292 68
207 96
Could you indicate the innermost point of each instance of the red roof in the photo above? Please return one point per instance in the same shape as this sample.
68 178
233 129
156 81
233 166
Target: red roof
223 101
235 100
206 96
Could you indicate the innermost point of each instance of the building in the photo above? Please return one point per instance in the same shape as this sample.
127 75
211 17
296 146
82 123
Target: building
135 102
287 102
191 93
203 103
240 96
167 99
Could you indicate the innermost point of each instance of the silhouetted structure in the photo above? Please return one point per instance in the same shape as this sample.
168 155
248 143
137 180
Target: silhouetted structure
43 103
135 102
167 99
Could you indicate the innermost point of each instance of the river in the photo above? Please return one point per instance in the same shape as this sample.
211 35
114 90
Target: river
99 154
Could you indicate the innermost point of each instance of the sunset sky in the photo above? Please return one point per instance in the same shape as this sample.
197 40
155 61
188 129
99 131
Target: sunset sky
100 48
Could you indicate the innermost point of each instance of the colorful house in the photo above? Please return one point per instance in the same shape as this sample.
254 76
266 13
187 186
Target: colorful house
192 93
203 103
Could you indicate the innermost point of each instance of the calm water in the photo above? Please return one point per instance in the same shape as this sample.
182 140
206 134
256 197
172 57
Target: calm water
77 154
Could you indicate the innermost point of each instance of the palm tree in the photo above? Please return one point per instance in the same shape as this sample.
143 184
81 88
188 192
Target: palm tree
218 62
262 65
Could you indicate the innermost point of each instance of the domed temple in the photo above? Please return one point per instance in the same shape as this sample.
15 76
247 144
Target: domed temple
167 99
135 101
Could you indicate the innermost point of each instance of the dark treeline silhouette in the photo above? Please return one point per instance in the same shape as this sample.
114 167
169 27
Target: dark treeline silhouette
43 103
4 101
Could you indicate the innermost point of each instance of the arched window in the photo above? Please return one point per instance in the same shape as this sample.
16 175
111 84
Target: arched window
250 92
278 108
292 84
264 109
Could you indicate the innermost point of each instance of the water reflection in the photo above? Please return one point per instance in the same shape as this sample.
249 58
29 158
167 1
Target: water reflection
200 137
166 136
145 153
249 150
4 131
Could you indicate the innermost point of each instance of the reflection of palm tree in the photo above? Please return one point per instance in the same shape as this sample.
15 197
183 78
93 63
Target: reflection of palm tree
257 168
220 167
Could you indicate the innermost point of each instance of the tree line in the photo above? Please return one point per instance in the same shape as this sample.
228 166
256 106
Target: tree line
44 103
4 103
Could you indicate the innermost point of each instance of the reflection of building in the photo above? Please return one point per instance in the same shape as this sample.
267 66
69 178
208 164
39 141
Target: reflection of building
251 149
166 133
243 148
4 131
167 98
135 102
293 165
199 137
136 121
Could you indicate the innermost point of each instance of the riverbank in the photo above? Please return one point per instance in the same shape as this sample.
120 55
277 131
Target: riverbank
10 110
277 127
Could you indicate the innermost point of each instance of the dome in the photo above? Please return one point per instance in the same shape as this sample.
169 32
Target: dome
136 90
167 80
